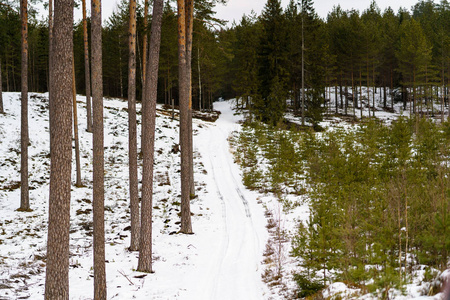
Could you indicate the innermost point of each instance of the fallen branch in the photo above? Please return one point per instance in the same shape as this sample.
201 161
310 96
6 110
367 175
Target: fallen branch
124 275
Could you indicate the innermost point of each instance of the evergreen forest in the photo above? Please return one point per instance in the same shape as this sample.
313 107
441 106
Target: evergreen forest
260 61
377 191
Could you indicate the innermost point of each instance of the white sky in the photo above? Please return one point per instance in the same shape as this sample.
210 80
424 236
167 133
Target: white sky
236 8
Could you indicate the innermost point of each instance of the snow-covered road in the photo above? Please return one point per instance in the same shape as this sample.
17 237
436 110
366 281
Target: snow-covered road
232 269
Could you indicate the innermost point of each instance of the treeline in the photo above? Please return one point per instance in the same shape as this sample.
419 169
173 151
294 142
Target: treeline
265 60
207 60
350 50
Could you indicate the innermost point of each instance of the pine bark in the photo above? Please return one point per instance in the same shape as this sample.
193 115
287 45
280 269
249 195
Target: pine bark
98 156
148 138
145 43
303 70
189 35
186 226
24 138
57 269
87 71
132 132
200 81
75 128
2 111
442 93
50 54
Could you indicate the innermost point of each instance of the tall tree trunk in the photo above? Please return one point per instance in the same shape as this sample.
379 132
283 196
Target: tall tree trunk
353 94
189 33
336 98
346 98
148 141
50 53
442 94
87 71
57 274
132 131
139 57
374 89
303 71
368 90
13 76
7 74
75 127
186 226
391 88
360 92
144 55
145 43
199 82
2 111
120 67
24 137
98 157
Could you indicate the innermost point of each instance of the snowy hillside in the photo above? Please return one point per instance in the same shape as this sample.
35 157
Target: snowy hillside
222 260
241 243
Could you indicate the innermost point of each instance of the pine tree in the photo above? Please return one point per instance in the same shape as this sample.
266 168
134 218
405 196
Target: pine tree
270 104
306 12
414 54
57 269
189 41
98 156
87 70
390 35
426 13
337 21
24 137
371 39
50 55
245 61
317 60
293 21
184 96
148 142
132 132
75 127
145 44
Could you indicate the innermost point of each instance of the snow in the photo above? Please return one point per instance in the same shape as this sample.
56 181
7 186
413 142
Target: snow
221 260
224 257
233 266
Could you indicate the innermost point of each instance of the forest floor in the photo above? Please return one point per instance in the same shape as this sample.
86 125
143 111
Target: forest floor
240 246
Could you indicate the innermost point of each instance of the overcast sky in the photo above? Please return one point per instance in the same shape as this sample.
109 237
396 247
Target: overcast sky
236 8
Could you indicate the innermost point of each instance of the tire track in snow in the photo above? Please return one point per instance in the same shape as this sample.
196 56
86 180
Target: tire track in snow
224 249
246 206
245 202
238 190
249 236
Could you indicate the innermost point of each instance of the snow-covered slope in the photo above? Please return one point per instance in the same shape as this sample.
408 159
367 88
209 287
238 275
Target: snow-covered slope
222 260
